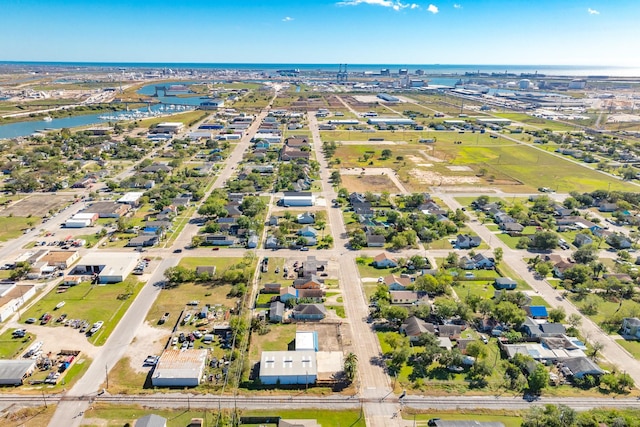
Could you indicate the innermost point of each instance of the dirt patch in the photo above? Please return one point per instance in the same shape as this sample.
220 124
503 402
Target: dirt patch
434 178
327 334
364 183
37 205
460 168
148 341
59 338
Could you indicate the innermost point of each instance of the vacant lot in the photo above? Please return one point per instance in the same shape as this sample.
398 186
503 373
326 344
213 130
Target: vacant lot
90 302
364 183
37 205
174 300
12 227
118 415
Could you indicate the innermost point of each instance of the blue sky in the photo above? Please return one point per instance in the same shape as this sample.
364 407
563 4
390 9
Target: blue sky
545 32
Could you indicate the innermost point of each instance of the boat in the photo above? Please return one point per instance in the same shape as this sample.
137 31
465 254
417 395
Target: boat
60 305
47 119
96 327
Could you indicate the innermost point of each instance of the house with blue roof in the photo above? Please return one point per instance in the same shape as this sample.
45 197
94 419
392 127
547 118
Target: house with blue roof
537 311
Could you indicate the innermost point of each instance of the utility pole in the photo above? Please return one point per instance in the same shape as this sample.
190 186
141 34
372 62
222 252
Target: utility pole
44 399
106 373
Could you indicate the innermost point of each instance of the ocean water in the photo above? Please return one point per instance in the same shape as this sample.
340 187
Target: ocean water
433 69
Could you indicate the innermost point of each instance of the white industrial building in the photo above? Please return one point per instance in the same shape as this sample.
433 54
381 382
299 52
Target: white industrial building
13 296
306 341
169 127
111 267
81 220
494 121
179 368
391 121
288 367
131 198
13 372
292 198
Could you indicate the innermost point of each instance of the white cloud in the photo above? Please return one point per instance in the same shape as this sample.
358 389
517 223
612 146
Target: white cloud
287 19
432 8
393 4
593 11
457 6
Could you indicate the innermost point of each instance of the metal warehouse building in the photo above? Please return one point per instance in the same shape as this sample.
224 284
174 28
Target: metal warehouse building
292 198
13 372
111 267
179 368
288 367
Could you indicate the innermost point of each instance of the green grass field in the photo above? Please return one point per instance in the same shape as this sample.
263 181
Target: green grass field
461 415
12 226
118 415
90 302
536 122
10 347
632 347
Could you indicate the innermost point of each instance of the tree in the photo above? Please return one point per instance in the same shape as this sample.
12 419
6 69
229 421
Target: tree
445 307
350 366
21 269
538 379
557 315
509 313
543 269
498 253
596 347
586 254
544 240
574 320
386 154
476 349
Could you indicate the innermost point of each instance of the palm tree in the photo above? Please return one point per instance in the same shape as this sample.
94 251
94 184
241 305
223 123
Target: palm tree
350 366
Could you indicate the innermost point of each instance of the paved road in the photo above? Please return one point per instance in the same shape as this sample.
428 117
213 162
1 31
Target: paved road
613 352
373 382
69 411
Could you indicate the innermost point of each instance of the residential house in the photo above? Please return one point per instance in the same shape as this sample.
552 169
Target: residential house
449 331
395 283
384 261
271 288
315 294
309 282
233 210
582 239
607 207
537 311
288 293
271 243
357 198
375 240
306 218
151 420
276 312
409 297
413 327
218 240
143 241
156 167
512 227
535 329
312 312
311 266
273 221
482 261
578 367
290 153
631 327
363 209
465 241
505 283
307 231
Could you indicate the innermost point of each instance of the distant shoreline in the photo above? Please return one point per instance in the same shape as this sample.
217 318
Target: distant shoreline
429 69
